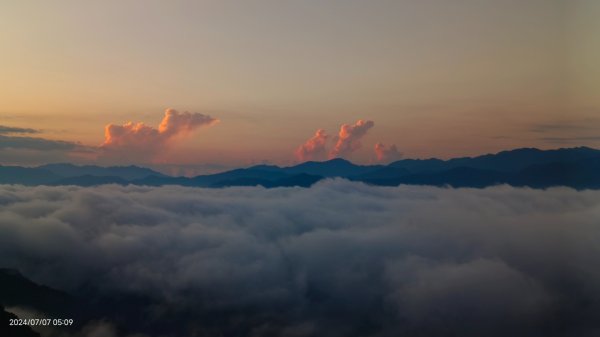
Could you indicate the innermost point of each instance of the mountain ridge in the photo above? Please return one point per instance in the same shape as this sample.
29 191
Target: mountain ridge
577 167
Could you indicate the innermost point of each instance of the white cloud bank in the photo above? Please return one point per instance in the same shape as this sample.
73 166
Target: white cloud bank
337 259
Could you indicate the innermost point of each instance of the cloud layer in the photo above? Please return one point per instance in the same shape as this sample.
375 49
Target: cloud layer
137 141
338 259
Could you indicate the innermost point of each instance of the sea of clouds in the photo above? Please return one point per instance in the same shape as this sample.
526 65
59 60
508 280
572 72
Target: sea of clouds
338 259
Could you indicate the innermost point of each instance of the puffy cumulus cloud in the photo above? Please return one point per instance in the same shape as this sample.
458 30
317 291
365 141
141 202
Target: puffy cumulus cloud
348 139
338 259
177 123
346 142
314 148
387 154
190 170
137 141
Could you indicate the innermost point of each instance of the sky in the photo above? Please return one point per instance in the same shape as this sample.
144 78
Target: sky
243 82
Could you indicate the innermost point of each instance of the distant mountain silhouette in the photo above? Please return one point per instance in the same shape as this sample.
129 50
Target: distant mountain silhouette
455 177
332 168
26 176
574 167
387 172
578 174
248 173
505 161
69 174
301 180
124 172
90 180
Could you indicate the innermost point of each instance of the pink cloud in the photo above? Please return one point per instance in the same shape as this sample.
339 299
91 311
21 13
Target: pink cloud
386 154
180 123
314 148
348 139
137 141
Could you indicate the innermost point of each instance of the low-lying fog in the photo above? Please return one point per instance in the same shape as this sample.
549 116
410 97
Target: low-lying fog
337 259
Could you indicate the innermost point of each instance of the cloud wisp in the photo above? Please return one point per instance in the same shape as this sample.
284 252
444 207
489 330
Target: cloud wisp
338 259
17 142
137 141
23 150
11 129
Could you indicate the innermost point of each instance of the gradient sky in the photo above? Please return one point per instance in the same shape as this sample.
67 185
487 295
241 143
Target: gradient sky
438 78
